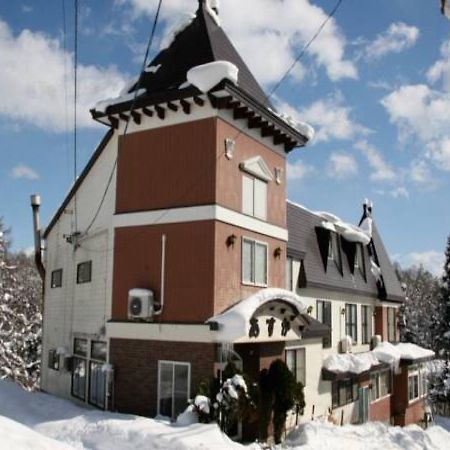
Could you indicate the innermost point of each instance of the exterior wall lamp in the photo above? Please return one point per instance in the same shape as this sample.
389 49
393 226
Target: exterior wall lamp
310 309
277 252
343 311
231 239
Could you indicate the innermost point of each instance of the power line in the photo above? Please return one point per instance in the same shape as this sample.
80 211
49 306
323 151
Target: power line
75 94
137 88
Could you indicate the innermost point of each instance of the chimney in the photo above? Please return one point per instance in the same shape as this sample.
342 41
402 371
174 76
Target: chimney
35 204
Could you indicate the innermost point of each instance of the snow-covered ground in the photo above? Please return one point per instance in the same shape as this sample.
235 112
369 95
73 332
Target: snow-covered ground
40 421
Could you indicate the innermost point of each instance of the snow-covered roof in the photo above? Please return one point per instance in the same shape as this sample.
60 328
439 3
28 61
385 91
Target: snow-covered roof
207 76
234 322
384 352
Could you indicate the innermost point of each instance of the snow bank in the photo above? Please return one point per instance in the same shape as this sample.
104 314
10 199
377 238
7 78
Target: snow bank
371 436
234 323
209 75
16 436
86 428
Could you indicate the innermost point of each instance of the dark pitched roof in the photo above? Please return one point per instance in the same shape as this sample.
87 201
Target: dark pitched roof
201 42
303 238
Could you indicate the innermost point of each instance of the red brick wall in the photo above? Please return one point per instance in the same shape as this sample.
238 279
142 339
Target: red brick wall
229 176
136 370
189 277
380 410
228 287
415 412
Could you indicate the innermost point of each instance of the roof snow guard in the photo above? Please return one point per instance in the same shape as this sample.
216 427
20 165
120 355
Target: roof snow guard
201 42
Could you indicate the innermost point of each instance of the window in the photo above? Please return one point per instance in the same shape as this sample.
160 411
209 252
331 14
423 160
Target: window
366 324
295 360
334 251
173 387
351 321
254 262
392 324
97 377
79 368
380 384
343 392
417 382
56 278
53 360
359 259
289 274
84 272
254 197
323 314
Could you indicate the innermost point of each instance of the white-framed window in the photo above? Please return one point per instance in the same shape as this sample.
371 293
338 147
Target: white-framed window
366 324
289 273
174 380
417 382
254 262
392 324
380 384
254 197
295 360
324 315
343 392
351 321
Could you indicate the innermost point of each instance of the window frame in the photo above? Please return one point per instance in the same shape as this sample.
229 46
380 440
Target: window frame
376 385
419 373
53 362
251 209
327 341
53 281
349 389
174 363
349 324
359 259
366 324
254 243
392 324
79 269
297 369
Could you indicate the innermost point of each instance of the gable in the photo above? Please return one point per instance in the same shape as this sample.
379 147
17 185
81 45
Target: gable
257 167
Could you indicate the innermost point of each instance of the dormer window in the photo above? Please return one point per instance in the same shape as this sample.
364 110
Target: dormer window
254 187
334 251
359 260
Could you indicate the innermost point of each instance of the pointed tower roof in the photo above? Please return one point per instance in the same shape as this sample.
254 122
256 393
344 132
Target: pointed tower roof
163 85
201 42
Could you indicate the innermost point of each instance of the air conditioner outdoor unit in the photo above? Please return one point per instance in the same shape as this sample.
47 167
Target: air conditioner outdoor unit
141 304
374 341
345 345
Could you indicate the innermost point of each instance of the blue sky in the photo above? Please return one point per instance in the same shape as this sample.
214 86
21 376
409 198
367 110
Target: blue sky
375 85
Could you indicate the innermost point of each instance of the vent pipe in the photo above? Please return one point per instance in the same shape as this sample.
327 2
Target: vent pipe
35 205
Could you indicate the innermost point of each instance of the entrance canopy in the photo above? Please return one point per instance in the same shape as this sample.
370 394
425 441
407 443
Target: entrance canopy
270 314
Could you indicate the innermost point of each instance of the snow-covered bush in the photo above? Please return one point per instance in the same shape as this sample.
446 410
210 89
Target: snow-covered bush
20 317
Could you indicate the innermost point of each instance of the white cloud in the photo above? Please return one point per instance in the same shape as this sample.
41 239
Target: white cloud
397 38
330 117
342 166
25 172
32 81
298 170
382 171
256 34
400 192
440 70
27 9
423 113
431 260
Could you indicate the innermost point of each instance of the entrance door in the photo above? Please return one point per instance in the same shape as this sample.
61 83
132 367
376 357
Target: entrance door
363 393
173 387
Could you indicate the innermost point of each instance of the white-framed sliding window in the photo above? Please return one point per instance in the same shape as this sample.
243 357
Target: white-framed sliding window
254 262
417 382
174 382
254 197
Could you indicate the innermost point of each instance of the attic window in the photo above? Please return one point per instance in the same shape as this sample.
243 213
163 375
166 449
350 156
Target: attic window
334 251
359 260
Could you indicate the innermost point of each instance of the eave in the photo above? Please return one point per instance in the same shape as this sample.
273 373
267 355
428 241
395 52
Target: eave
225 96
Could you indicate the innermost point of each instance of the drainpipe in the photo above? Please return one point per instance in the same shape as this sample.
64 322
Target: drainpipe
163 272
35 204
